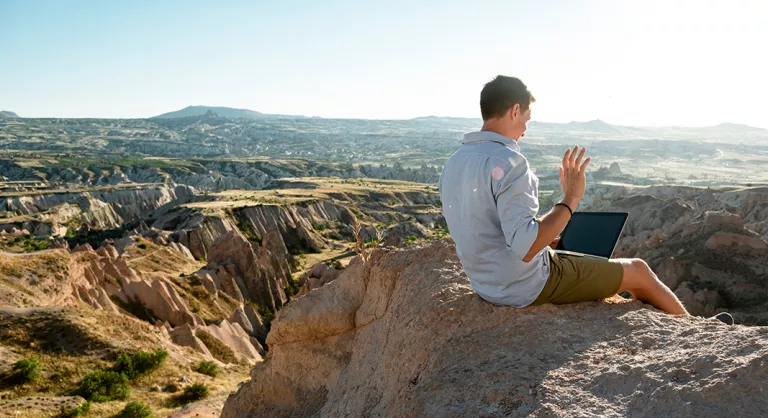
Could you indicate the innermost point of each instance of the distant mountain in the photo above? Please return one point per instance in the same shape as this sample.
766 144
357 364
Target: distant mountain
227 112
738 128
445 119
596 125
7 114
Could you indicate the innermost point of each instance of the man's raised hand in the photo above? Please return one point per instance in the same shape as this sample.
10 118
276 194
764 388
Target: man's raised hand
573 179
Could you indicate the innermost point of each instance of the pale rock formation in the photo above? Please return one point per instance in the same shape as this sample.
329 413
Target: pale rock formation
234 337
184 335
251 323
259 275
405 335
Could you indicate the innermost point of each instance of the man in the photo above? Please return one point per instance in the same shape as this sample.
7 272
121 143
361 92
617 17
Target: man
490 202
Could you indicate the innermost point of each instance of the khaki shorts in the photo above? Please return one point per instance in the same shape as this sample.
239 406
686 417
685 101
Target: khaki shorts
580 279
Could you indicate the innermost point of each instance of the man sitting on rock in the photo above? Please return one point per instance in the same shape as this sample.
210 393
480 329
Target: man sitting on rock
490 202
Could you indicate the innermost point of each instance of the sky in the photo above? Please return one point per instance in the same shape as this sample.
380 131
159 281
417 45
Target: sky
642 63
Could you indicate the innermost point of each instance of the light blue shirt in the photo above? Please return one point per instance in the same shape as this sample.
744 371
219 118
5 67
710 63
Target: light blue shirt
490 199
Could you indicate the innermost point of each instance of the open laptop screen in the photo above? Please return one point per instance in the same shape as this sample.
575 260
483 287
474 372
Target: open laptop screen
594 233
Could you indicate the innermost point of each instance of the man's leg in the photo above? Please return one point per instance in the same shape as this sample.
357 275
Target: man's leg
642 283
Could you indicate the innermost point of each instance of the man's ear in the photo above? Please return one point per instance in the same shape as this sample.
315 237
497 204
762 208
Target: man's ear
515 113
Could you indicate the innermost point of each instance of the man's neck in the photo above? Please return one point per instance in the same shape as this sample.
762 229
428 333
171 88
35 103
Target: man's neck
489 126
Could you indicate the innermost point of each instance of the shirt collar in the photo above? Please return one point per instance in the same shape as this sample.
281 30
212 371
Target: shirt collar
488 136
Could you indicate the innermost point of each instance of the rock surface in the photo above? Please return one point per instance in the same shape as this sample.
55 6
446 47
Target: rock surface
404 335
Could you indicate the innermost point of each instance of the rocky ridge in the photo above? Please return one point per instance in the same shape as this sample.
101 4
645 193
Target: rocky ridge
403 335
50 213
207 175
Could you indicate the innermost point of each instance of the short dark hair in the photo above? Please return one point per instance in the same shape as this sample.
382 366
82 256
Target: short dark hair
502 93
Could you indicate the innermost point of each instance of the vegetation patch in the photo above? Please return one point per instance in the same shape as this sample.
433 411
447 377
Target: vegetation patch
24 371
135 409
107 385
208 368
139 363
81 410
218 349
191 393
103 386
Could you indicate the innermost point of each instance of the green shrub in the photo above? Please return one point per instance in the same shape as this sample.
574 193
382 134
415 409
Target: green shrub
195 392
137 364
266 315
103 386
135 409
83 409
25 370
208 367
143 246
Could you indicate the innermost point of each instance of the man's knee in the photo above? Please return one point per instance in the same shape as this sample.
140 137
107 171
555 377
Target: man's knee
640 266
637 275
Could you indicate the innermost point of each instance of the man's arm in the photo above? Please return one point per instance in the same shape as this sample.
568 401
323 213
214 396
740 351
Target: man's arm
550 226
573 182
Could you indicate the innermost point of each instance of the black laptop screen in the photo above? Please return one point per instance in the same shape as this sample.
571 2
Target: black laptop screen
593 233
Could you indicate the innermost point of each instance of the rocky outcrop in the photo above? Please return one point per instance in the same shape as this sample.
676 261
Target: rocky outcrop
247 271
397 235
196 232
404 333
234 337
276 226
320 274
102 209
250 321
99 276
700 247
105 275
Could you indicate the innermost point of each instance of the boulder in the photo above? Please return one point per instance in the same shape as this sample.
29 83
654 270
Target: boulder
722 239
405 335
397 234
714 220
318 270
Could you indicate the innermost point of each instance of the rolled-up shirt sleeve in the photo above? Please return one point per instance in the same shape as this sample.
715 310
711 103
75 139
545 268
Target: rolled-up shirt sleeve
517 204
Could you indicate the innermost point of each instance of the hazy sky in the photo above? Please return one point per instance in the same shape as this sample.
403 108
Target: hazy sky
627 62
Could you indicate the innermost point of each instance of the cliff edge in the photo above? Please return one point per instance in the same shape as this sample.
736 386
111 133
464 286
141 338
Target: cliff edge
404 335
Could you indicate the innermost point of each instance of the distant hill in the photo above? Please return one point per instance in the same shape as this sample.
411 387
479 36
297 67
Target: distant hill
8 114
596 125
445 119
738 128
227 112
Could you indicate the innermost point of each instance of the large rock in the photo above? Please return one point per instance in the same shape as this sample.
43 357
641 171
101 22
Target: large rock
722 239
260 275
397 234
405 335
250 321
714 220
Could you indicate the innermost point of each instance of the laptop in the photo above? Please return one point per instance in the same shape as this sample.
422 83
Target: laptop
592 234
